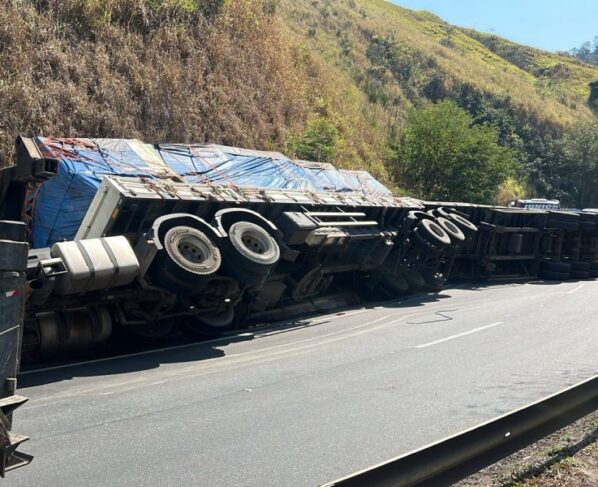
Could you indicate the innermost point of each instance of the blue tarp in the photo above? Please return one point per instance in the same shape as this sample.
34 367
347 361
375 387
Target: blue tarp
236 167
364 182
328 177
61 202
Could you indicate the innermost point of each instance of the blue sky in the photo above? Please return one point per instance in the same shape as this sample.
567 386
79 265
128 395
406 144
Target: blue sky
547 24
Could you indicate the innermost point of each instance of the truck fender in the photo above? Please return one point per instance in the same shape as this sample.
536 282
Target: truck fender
226 217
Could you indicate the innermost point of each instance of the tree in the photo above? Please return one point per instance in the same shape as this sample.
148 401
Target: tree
588 52
444 156
580 148
568 167
318 143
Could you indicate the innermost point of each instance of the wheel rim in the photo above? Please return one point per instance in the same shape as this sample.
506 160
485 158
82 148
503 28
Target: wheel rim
192 250
253 242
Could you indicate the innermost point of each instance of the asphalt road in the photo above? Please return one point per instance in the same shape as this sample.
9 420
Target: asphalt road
309 401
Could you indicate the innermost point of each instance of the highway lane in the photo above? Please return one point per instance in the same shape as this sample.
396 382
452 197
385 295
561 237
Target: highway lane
308 401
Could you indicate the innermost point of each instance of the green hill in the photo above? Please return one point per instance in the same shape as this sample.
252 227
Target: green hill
317 78
399 57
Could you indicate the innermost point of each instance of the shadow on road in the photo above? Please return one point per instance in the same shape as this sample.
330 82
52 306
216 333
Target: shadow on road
130 356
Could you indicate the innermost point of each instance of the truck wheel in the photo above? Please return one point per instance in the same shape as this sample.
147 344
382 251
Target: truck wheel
394 286
210 324
414 280
442 212
432 233
468 228
559 267
580 270
188 261
254 244
432 282
192 250
427 248
555 276
453 230
250 253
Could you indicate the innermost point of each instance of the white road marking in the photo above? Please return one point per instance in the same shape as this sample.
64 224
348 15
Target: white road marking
573 291
459 335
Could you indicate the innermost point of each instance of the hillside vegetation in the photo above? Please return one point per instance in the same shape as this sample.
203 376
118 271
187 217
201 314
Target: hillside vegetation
329 80
403 59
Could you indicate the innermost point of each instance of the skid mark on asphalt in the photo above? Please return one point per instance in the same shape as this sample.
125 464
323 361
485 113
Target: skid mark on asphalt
442 314
458 335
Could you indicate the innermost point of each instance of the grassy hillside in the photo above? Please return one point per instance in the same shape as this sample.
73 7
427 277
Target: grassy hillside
177 70
400 57
309 77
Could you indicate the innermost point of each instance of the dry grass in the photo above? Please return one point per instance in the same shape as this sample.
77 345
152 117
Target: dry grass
238 72
544 95
84 68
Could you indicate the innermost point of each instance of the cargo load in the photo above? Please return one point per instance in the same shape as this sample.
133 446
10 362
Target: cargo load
155 238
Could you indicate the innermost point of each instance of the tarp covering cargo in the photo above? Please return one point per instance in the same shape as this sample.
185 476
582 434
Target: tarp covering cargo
328 177
61 202
236 167
364 182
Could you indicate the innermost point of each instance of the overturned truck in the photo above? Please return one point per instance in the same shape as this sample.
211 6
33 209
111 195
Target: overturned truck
142 239
145 238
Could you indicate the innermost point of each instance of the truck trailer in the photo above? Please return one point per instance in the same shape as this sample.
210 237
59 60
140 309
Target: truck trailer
151 237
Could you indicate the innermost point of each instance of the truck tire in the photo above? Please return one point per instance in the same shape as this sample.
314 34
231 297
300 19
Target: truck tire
254 244
442 212
432 282
580 270
454 232
192 250
559 267
210 324
594 269
432 233
555 276
468 228
188 262
414 280
393 286
250 253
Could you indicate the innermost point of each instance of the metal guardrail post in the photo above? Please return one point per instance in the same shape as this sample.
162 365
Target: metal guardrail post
13 264
457 457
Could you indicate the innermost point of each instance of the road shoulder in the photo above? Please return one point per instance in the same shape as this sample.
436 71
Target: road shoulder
567 457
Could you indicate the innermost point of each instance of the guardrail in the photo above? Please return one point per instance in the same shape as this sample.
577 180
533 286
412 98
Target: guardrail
458 456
